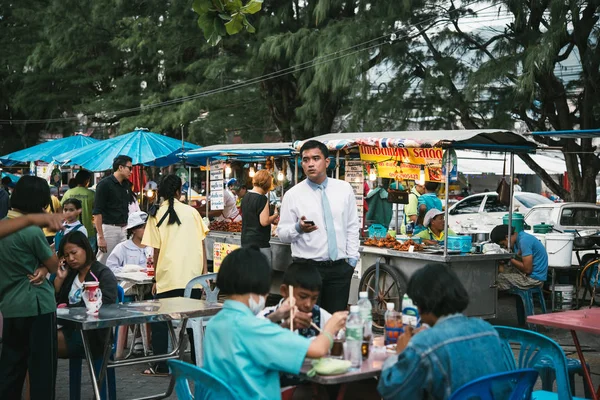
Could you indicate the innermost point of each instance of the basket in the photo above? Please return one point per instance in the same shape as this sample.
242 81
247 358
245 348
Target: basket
398 196
377 231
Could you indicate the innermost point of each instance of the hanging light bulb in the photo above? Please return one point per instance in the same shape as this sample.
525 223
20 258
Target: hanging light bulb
280 177
373 173
422 176
251 172
150 193
227 171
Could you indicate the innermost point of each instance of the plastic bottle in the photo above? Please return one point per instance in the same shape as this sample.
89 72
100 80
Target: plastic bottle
410 313
393 327
354 336
365 310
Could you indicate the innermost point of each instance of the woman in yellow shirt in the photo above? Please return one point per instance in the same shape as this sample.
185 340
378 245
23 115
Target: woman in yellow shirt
177 235
434 222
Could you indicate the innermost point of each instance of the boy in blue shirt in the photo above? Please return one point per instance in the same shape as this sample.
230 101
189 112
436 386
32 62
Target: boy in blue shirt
530 268
427 201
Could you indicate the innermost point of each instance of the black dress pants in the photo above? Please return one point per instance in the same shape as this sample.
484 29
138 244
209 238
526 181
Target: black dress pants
160 330
29 344
336 277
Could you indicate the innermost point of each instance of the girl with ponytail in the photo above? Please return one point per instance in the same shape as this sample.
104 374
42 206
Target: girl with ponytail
176 232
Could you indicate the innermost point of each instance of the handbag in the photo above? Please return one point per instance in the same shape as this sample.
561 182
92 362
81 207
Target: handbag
503 189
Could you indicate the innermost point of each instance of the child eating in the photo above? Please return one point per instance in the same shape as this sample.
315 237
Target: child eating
307 283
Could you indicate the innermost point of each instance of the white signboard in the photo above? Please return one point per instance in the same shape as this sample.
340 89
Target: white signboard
217 199
355 176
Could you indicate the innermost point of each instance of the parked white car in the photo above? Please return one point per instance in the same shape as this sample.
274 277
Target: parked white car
483 211
583 217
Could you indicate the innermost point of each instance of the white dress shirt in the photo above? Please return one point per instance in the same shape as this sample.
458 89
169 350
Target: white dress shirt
304 199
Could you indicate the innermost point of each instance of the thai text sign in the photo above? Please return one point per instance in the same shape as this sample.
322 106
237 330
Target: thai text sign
405 163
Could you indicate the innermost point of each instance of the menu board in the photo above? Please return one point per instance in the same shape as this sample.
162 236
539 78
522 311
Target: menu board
217 198
355 176
220 251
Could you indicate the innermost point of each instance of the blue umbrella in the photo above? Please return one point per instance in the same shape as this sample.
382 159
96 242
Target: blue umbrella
48 150
146 148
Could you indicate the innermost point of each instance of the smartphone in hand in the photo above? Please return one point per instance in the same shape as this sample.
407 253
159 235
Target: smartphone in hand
311 223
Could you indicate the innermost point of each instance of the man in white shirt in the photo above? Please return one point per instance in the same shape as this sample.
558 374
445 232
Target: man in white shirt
320 219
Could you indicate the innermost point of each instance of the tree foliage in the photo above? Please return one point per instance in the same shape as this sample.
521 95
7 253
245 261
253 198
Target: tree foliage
310 67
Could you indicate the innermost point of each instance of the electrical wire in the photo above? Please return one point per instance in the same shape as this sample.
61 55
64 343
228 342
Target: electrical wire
286 71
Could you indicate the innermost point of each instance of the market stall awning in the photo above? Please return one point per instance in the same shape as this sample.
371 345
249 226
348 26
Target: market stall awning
47 151
243 151
145 148
574 134
473 139
477 163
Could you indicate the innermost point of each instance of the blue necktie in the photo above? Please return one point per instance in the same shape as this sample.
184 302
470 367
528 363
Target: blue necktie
331 240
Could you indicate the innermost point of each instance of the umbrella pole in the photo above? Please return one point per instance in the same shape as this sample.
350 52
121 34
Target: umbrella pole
296 171
189 183
207 184
446 209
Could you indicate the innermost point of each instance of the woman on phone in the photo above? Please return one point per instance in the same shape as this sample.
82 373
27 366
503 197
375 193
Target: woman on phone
81 266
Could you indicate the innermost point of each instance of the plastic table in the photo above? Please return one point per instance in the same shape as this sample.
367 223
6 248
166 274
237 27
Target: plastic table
111 315
585 320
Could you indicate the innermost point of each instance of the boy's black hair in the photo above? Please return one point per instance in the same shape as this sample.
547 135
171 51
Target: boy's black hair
80 240
72 183
121 160
436 289
500 232
431 186
31 195
243 271
314 144
84 176
305 276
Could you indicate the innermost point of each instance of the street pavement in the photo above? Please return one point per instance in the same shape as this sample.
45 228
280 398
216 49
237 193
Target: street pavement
132 384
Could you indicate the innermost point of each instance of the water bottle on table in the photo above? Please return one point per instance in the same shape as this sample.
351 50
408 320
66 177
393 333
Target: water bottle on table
365 311
354 337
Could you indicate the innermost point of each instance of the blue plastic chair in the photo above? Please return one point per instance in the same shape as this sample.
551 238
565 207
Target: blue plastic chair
526 297
197 324
75 368
206 385
520 381
547 375
533 348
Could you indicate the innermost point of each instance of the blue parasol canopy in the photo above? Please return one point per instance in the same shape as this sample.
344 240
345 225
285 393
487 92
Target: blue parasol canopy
47 151
145 148
242 152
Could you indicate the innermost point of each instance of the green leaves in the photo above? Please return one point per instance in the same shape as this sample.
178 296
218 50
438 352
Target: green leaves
217 17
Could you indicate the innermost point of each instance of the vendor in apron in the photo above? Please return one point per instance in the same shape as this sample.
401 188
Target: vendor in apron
434 228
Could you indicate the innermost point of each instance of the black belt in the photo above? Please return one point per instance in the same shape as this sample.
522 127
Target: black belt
326 263
118 225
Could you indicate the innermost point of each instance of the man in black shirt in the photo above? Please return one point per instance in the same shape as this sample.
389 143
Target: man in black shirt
111 207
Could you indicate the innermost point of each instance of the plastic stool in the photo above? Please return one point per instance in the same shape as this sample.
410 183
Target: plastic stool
526 296
547 374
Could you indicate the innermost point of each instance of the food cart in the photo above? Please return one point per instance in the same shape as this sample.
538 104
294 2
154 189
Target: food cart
218 242
384 273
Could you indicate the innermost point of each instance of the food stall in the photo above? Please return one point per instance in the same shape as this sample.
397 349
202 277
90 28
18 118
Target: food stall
224 237
384 272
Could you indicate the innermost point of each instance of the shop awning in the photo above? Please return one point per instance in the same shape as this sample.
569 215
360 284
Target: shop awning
497 140
243 152
48 150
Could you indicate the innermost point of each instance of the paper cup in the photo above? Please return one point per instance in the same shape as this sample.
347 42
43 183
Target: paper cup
92 297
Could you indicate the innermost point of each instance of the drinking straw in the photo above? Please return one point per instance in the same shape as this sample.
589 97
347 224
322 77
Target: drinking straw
94 275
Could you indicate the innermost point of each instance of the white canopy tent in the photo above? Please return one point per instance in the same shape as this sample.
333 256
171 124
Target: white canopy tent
477 163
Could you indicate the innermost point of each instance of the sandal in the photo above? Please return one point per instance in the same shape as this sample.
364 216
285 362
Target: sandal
154 371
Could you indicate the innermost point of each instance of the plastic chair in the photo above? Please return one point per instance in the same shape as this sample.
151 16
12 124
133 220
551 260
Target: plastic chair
533 348
206 385
547 375
75 368
197 324
521 381
526 296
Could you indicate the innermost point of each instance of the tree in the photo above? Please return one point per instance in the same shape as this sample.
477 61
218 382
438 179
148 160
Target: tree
487 78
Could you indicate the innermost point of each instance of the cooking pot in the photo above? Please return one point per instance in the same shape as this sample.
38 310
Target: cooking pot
479 237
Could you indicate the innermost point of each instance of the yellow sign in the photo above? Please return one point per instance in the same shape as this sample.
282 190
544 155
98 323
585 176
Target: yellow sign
220 251
405 163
